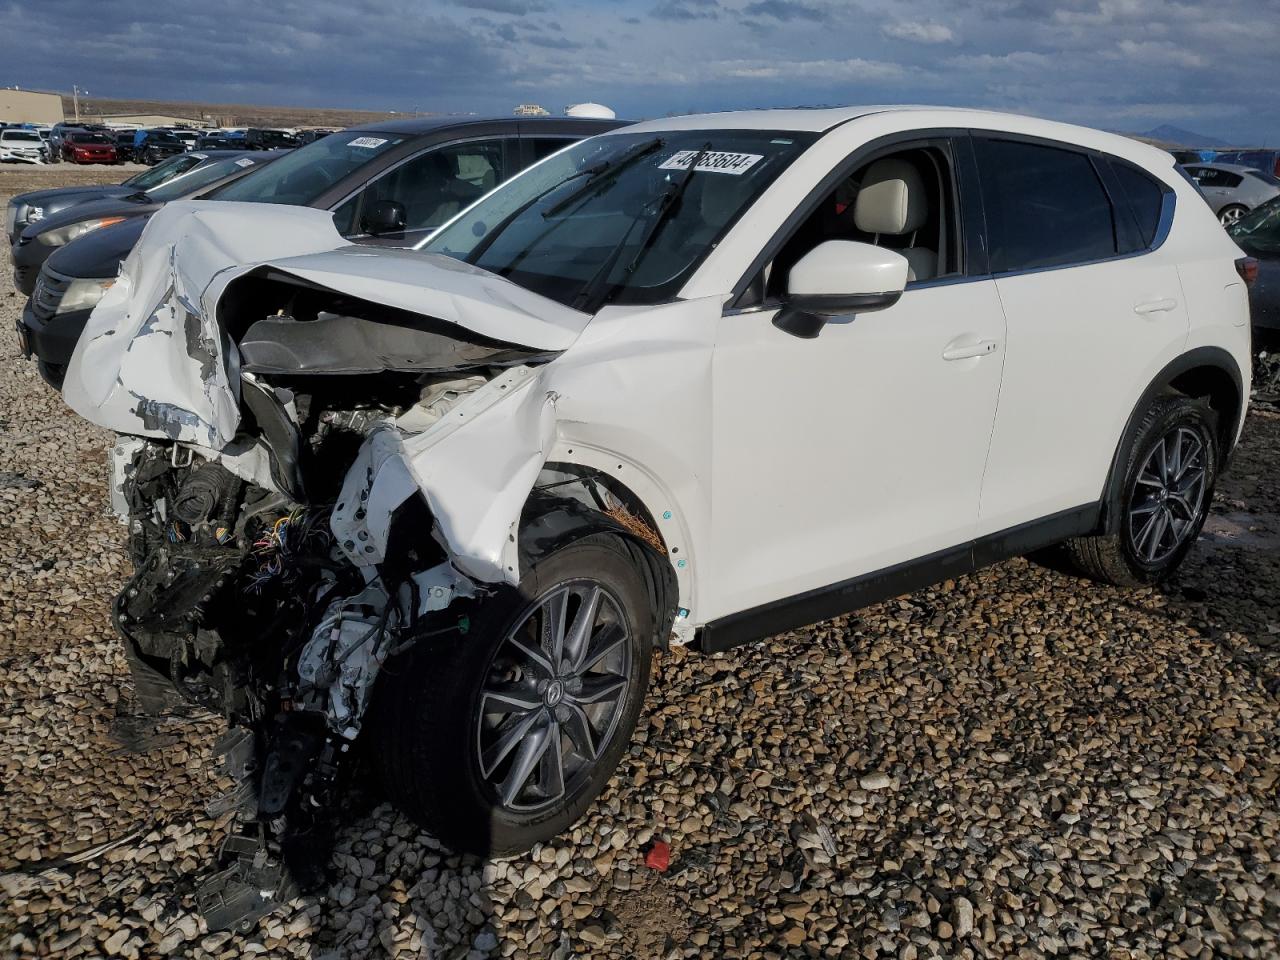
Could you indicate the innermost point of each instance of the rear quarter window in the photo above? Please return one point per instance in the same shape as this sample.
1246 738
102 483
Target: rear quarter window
1146 198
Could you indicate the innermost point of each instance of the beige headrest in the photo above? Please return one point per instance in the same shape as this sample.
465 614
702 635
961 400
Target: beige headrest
892 199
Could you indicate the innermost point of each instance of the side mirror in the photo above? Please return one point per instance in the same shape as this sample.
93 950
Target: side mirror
837 278
385 216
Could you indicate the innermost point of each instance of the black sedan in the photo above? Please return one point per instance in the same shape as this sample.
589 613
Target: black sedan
39 240
392 183
25 209
1258 234
70 284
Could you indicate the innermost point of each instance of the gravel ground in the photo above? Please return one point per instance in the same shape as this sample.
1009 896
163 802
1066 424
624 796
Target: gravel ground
1016 763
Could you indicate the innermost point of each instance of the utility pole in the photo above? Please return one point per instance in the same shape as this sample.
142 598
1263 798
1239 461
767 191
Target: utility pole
75 99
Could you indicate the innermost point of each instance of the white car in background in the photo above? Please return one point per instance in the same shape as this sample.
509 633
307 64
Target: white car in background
18 145
704 379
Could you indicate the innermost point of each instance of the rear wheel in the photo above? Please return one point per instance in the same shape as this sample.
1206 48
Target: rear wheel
1171 468
502 738
1231 213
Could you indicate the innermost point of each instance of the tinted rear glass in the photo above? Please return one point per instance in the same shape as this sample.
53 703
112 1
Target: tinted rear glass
1145 196
1045 207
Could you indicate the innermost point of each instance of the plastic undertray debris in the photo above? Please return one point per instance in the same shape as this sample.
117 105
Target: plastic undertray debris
255 884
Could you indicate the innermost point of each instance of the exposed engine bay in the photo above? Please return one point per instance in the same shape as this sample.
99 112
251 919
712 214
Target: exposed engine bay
245 602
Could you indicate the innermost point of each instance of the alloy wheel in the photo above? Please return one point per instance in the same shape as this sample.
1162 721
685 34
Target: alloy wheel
1168 499
553 695
1230 215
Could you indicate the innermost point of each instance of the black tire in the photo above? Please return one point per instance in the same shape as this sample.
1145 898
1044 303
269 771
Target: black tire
428 722
1117 557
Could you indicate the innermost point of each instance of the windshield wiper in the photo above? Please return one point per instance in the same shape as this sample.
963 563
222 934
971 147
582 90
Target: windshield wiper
667 204
592 172
596 171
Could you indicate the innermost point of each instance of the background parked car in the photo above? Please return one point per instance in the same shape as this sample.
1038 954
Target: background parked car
220 140
392 183
256 139
124 145
88 146
1268 161
152 146
1233 190
27 208
311 136
40 239
1258 234
20 146
189 138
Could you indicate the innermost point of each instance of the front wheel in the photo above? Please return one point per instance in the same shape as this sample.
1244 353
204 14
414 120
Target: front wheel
502 738
1171 468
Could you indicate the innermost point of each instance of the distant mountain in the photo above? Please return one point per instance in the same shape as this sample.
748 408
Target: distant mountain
1176 136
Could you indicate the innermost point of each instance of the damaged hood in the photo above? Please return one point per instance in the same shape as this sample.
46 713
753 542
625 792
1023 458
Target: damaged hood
155 361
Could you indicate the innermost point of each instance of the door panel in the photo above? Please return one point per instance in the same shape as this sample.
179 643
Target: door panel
846 454
1082 345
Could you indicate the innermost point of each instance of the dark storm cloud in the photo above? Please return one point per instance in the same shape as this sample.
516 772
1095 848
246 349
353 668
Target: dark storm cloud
687 10
784 10
518 8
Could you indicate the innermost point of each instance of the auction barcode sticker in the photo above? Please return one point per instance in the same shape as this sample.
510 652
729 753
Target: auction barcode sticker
366 142
244 162
713 161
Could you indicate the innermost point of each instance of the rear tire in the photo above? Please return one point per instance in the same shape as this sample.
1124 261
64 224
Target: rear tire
1170 470
458 721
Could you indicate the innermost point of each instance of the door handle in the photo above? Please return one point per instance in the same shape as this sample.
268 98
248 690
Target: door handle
1155 306
963 350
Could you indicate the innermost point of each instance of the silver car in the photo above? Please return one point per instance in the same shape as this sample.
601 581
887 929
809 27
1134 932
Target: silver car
1233 190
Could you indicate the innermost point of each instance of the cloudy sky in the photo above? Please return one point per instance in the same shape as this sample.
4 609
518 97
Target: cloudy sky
1119 64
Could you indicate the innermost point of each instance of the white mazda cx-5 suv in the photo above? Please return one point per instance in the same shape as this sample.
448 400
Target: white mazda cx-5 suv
701 379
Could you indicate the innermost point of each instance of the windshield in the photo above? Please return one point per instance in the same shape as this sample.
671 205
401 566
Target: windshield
88 138
303 175
619 218
162 172
1259 230
24 135
201 176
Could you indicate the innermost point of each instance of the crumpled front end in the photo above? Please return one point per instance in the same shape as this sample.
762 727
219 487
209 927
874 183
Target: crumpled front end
289 473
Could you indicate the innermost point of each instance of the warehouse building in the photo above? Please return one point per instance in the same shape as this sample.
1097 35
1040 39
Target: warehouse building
26 106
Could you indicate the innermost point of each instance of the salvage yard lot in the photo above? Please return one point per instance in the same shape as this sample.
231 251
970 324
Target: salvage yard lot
1018 760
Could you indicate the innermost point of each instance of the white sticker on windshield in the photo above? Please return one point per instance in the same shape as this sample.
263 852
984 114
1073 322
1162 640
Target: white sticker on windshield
244 162
366 142
713 161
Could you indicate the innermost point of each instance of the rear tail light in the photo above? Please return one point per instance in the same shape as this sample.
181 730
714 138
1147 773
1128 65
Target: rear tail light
1276 171
1247 267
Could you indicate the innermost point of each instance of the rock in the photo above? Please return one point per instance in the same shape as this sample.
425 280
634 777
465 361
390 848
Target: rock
962 916
878 780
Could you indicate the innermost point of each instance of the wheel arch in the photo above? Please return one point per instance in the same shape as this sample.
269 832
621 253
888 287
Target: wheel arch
1210 373
552 519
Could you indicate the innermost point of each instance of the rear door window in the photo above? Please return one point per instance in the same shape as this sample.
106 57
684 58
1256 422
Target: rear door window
1045 206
